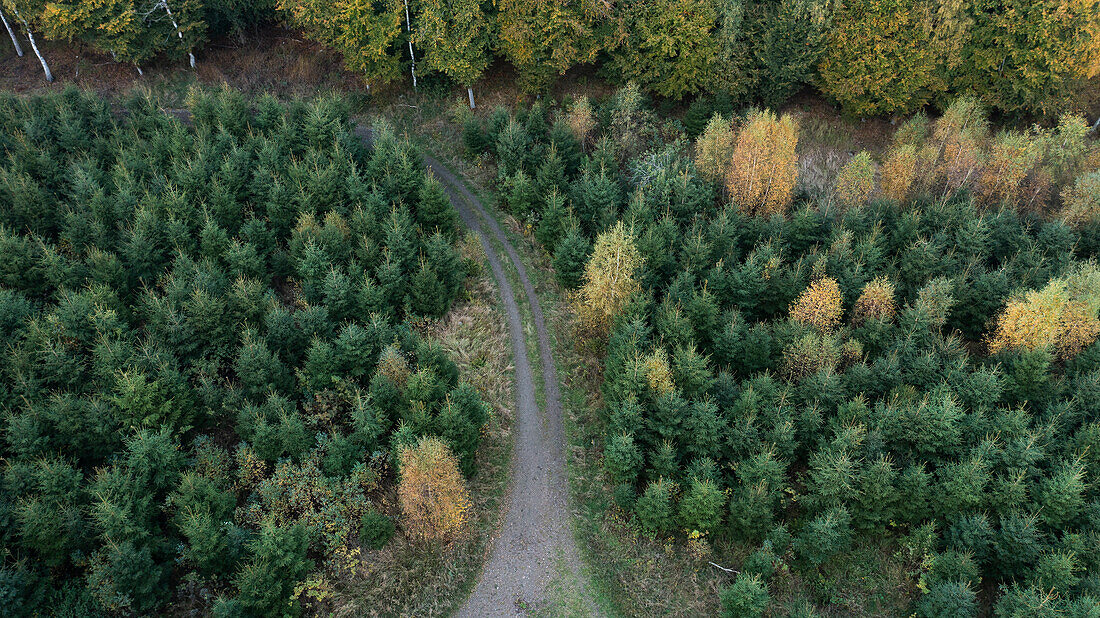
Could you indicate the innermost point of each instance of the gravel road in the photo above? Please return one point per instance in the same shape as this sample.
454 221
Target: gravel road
535 550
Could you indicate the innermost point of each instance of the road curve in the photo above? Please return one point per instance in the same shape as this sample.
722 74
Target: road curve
535 549
536 546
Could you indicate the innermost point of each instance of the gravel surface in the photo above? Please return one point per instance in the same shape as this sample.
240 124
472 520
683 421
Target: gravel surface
535 549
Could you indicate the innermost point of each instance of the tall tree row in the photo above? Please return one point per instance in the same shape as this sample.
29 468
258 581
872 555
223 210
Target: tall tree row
870 57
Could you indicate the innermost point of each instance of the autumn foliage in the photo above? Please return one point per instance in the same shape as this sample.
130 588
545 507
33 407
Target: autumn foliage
819 305
435 504
764 165
1061 317
609 279
875 302
856 181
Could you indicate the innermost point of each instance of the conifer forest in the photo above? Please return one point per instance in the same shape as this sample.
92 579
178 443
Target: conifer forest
737 308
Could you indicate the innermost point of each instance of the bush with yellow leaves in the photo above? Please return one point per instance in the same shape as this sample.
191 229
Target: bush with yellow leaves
875 302
1062 317
1011 157
609 279
820 305
764 166
714 148
856 181
581 120
435 504
811 353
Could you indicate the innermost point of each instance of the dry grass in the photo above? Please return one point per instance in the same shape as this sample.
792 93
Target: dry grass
411 578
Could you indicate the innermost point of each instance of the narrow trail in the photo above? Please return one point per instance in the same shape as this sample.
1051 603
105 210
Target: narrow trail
535 550
536 544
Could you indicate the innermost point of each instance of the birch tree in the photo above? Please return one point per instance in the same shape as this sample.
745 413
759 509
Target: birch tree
11 33
25 10
456 35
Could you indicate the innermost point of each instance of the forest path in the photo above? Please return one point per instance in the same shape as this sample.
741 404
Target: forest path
534 565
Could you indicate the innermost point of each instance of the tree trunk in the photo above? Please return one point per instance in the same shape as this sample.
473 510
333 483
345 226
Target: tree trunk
409 29
11 33
34 46
179 33
470 91
1096 127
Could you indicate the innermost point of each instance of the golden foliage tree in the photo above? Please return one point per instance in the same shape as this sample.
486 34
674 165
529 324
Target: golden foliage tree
435 504
658 374
609 279
764 166
959 138
1062 316
898 172
876 301
820 305
856 181
714 148
1011 157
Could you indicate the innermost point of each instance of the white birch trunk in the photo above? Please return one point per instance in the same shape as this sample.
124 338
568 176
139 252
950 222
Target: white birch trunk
179 33
34 46
11 33
412 57
470 91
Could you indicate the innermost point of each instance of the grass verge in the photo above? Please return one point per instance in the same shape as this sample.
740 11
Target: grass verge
408 578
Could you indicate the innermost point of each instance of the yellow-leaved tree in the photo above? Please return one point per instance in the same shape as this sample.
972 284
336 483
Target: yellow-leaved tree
856 181
435 504
610 279
1062 316
714 148
764 165
820 305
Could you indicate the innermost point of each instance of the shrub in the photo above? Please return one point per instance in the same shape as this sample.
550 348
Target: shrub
375 529
746 598
435 504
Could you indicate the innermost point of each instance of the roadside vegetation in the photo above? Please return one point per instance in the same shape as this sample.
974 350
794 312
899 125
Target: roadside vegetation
860 392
